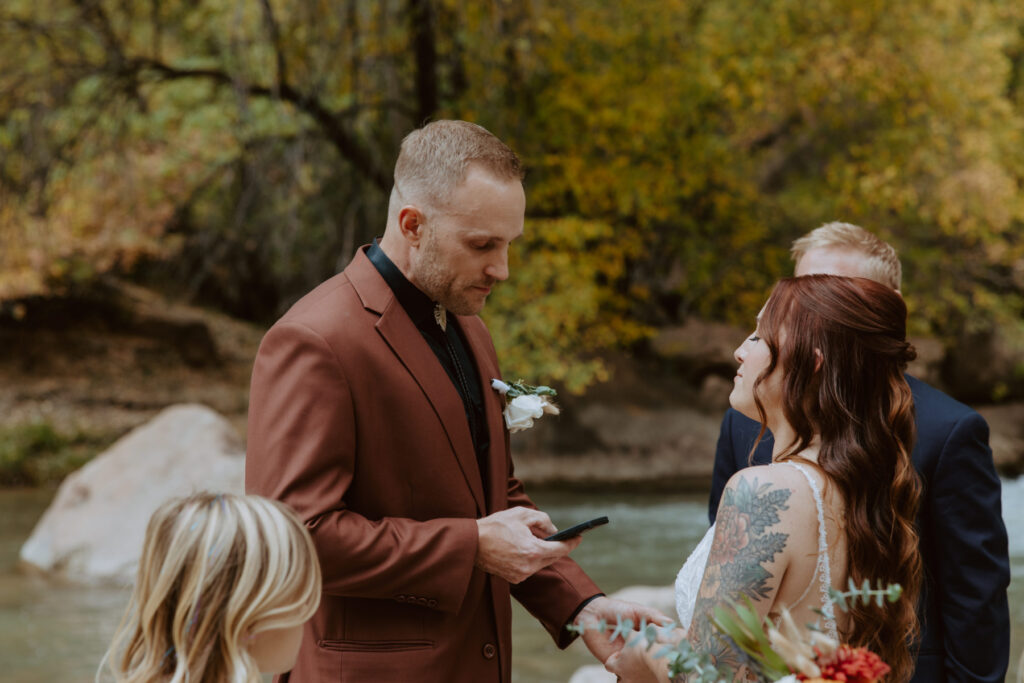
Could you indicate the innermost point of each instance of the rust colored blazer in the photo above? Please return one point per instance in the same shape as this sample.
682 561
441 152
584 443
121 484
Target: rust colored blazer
354 423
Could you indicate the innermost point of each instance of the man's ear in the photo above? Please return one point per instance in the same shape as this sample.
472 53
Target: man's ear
410 222
818 358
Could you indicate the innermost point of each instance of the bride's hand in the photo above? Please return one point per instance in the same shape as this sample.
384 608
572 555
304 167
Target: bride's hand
632 664
612 610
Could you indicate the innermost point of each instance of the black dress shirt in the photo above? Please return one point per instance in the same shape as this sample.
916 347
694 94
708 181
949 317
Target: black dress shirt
452 352
448 345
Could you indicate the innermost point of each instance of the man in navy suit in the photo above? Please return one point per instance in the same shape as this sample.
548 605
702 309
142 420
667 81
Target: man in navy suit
965 620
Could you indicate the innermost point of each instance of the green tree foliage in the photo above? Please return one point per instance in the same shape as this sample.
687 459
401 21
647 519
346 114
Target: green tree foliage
674 148
258 136
714 133
549 323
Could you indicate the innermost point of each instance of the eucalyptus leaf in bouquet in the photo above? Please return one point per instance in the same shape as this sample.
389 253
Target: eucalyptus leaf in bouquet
772 651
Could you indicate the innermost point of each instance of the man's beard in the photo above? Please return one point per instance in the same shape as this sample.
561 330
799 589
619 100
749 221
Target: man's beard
440 285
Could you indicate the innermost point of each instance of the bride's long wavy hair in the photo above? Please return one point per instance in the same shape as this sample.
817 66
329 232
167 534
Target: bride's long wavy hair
859 404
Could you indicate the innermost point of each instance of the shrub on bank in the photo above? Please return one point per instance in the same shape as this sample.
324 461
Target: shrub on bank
35 453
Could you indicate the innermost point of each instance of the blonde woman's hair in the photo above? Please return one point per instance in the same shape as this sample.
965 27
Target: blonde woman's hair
881 262
216 569
434 160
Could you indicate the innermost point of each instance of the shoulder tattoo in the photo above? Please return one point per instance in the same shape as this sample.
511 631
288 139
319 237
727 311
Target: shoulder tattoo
740 552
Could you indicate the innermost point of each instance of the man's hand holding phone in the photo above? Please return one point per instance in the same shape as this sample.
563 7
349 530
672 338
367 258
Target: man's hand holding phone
517 543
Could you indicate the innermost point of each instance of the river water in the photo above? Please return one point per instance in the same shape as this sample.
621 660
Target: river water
57 633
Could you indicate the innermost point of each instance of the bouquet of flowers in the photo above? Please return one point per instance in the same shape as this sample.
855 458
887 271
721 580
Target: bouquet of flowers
782 652
774 652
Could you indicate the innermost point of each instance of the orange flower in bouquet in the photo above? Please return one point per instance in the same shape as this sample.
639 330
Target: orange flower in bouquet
816 658
785 653
849 664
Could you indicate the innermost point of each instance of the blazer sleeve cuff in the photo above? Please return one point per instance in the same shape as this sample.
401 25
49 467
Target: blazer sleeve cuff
456 570
555 595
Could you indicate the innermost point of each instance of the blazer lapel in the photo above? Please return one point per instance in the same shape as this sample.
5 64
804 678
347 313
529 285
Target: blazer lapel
481 346
408 344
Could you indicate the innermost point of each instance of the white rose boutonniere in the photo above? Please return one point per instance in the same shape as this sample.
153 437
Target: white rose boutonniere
525 403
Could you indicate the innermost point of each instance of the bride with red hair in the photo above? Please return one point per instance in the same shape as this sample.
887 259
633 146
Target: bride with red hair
823 371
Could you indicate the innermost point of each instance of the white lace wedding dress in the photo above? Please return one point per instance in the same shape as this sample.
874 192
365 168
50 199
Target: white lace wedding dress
689 577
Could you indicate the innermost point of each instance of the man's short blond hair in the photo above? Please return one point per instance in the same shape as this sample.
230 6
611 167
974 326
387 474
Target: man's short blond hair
881 262
434 160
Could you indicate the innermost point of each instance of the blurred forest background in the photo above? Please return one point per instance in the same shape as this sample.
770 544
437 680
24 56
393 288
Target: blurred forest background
233 153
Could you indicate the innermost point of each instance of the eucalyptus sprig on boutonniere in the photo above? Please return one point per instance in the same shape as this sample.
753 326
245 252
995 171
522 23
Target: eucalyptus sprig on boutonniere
525 403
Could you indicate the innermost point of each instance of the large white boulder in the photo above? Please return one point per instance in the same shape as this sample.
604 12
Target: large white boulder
93 530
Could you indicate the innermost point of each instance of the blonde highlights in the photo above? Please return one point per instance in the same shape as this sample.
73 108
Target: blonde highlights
881 263
215 570
434 160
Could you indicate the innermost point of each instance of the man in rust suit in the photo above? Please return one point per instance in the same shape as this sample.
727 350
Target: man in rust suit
371 414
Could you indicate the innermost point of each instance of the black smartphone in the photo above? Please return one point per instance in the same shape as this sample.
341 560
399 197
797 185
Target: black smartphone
574 531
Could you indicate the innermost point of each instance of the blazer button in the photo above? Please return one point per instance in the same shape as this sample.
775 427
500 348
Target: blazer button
422 601
400 598
489 651
431 603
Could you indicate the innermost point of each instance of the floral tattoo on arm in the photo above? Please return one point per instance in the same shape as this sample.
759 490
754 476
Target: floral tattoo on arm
736 564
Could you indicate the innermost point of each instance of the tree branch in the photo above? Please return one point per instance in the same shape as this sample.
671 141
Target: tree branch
275 40
47 34
330 123
158 27
93 14
421 24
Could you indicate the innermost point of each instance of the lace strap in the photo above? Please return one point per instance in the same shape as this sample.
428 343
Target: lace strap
822 569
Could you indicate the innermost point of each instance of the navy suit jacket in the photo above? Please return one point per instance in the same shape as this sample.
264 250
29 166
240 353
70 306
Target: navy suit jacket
965 619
